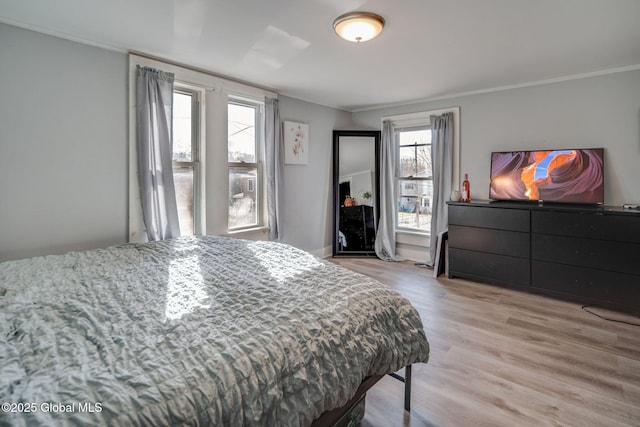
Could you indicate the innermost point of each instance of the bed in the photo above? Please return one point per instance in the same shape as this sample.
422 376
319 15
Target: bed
194 331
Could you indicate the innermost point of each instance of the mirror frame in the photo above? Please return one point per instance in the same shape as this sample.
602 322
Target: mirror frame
376 135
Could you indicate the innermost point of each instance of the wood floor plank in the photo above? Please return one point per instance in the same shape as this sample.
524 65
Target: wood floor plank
501 357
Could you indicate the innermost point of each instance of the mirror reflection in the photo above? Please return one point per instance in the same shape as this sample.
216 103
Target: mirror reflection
355 192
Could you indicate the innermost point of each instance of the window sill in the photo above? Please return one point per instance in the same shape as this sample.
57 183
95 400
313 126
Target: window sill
413 233
246 231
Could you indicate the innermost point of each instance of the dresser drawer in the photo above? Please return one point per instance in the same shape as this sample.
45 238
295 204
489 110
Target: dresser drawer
589 225
499 242
486 217
500 269
587 284
601 254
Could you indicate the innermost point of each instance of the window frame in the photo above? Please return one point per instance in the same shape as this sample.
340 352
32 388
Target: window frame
195 163
412 178
258 165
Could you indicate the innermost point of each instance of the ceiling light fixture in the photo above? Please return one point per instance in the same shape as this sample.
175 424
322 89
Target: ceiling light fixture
358 26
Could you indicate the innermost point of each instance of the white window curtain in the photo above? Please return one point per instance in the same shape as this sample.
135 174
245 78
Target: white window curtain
154 105
385 244
442 164
274 165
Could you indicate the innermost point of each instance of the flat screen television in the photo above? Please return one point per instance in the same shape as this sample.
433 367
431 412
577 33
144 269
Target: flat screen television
565 176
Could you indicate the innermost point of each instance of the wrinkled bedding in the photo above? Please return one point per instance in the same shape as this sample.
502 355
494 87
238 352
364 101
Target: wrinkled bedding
193 331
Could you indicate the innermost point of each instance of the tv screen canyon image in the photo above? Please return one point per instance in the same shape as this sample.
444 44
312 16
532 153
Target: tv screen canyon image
569 176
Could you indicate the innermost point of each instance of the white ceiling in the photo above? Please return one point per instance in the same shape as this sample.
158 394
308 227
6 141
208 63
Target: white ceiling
428 49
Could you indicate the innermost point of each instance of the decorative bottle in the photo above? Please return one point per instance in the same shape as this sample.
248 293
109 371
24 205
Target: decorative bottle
466 189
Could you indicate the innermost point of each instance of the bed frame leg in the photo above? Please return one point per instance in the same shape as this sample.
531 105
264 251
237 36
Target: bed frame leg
407 386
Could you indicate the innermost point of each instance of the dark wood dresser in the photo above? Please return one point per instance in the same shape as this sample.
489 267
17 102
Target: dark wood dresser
588 254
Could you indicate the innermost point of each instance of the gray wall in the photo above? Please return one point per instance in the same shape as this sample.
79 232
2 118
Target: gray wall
64 151
63 145
307 202
601 111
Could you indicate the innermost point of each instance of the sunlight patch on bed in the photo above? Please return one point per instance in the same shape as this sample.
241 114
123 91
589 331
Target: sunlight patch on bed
280 269
186 289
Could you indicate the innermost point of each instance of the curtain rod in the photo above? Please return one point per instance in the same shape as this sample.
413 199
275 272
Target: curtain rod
201 70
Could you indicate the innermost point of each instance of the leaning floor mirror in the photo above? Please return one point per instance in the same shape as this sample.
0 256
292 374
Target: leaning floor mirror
356 196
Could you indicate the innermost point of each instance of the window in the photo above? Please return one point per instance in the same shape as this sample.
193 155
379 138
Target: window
415 184
220 184
186 158
245 168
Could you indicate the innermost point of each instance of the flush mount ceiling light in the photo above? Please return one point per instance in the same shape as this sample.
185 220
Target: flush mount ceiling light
358 26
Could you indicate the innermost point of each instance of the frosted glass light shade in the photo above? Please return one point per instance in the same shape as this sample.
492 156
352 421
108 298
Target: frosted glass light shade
358 26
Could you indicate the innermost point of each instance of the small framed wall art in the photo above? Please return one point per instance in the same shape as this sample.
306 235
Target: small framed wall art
296 143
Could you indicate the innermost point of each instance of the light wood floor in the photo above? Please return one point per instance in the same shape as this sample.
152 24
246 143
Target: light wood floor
506 358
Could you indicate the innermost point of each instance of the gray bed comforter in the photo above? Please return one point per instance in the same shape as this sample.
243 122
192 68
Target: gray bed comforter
193 331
